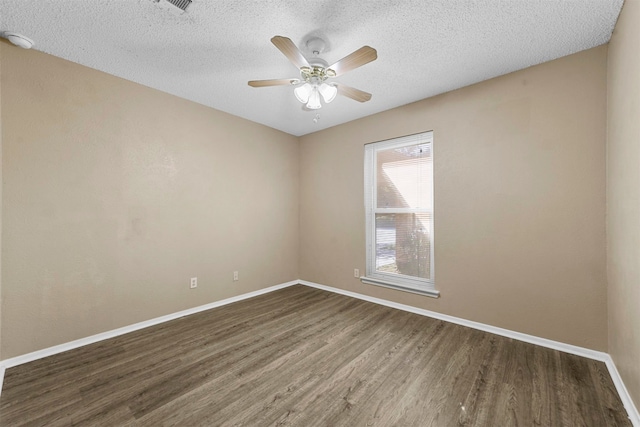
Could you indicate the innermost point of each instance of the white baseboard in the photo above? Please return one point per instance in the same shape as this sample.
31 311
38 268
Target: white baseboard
2 369
632 411
556 345
50 351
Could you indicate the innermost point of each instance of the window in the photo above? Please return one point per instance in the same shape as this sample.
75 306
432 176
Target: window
399 213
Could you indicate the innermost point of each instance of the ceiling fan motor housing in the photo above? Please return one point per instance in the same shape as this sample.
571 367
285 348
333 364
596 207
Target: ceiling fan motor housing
317 72
316 45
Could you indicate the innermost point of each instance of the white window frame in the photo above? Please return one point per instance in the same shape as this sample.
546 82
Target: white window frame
392 280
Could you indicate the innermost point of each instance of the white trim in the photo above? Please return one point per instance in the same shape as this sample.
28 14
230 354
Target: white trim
50 351
2 369
556 345
395 280
386 284
632 411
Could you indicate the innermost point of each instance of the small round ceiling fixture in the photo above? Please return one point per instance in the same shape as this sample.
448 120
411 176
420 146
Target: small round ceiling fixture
316 45
18 39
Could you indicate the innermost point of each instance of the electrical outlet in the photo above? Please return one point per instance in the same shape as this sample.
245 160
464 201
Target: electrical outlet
194 282
235 276
356 273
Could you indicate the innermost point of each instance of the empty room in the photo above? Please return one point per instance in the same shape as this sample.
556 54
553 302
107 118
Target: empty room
331 213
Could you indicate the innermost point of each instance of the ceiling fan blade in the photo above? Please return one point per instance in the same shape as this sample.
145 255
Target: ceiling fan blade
362 56
275 82
353 93
290 50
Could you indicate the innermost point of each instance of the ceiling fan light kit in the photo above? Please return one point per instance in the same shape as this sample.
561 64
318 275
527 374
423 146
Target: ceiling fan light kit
328 92
316 71
303 92
310 94
314 100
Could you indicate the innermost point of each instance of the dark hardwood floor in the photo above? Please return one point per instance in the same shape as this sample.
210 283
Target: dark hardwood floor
306 357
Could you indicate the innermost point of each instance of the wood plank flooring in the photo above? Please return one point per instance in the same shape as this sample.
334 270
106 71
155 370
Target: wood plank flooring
305 357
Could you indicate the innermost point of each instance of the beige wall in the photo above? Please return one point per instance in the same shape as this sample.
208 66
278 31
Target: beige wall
2 41
623 197
116 194
519 200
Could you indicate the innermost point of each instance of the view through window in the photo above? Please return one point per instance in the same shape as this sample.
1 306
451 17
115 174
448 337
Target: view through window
399 209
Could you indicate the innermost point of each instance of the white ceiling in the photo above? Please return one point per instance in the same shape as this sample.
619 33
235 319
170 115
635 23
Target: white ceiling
425 47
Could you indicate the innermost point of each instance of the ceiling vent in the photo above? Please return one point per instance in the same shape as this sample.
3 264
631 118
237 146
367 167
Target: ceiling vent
181 4
176 6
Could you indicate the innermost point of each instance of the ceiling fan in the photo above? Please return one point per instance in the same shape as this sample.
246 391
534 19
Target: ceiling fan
315 73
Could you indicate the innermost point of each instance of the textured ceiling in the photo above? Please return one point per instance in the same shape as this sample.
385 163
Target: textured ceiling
425 47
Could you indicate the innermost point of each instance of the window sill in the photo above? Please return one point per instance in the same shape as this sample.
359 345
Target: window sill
377 282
